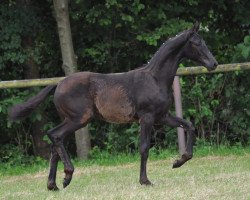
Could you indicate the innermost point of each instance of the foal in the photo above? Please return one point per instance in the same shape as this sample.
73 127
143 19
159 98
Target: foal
142 95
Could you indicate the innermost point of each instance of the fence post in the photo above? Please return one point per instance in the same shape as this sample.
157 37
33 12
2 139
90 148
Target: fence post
178 111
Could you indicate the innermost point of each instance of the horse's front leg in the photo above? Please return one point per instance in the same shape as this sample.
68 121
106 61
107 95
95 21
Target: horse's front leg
178 122
146 124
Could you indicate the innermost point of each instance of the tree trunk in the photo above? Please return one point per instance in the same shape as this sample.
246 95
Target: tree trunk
31 71
41 148
70 66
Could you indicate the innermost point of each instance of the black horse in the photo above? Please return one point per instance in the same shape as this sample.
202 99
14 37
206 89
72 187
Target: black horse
142 95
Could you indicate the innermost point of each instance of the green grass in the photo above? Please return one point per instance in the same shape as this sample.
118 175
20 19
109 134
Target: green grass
106 159
212 174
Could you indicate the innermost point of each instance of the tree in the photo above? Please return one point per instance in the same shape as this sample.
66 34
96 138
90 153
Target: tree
31 71
70 66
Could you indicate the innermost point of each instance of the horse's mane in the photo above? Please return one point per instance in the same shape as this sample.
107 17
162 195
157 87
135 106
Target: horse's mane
166 49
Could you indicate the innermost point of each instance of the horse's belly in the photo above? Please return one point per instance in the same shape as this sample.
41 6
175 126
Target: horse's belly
114 105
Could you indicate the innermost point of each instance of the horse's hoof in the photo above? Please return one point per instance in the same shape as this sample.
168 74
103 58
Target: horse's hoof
66 182
146 182
184 158
52 187
177 164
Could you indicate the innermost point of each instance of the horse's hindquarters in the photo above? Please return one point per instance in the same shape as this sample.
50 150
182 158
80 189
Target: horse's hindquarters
72 98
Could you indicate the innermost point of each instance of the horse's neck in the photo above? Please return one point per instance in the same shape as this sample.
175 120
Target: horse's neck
164 63
166 72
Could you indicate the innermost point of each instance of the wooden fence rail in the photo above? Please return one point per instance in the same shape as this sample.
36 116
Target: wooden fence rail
181 72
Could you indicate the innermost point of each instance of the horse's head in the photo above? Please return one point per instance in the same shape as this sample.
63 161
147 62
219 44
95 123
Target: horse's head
197 50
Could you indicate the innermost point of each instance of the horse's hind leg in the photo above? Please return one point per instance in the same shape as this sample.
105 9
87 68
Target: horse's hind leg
53 168
57 136
54 158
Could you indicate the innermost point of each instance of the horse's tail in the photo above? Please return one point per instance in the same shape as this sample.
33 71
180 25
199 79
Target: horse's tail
22 110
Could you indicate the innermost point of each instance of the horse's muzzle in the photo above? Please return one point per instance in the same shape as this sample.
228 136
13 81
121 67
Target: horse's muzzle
213 67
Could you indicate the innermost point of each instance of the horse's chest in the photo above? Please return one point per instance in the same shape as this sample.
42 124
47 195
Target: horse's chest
114 104
162 103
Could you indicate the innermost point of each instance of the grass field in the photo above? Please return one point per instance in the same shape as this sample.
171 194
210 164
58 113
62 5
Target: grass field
210 177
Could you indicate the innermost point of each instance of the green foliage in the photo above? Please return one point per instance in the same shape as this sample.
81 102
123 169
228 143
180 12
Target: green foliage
243 49
14 162
116 36
14 156
115 138
219 106
24 35
12 34
169 28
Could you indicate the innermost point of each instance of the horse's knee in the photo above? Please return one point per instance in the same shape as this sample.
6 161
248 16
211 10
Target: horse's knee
50 135
144 148
53 137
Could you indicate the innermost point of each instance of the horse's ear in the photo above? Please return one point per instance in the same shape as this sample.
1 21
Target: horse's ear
196 27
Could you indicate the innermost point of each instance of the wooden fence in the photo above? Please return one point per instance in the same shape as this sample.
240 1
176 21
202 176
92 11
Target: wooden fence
181 72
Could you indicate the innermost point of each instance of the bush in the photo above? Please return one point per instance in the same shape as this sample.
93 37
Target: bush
14 156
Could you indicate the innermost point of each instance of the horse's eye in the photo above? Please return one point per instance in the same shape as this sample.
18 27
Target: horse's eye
196 43
194 46
195 40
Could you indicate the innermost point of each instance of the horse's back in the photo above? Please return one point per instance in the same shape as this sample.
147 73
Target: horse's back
72 81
